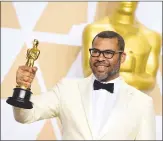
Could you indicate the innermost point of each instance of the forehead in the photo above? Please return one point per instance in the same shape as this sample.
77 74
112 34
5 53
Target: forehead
105 43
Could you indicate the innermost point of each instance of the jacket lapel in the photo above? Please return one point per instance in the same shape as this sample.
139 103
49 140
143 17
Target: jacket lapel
85 88
121 104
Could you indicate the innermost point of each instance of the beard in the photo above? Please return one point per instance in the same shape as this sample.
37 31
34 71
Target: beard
108 73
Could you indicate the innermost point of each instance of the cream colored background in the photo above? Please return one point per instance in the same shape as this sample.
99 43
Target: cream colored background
58 26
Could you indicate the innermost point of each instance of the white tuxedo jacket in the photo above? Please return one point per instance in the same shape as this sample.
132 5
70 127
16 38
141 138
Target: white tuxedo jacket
132 117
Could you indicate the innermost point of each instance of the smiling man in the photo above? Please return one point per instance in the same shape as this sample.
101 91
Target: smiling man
100 107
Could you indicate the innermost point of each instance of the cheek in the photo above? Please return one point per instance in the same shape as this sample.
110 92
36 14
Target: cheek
92 60
116 64
113 62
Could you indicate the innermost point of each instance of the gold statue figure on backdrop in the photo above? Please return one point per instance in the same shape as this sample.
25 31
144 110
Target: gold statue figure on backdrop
142 46
32 54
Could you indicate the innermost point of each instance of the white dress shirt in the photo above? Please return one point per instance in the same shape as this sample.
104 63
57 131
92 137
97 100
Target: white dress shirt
102 103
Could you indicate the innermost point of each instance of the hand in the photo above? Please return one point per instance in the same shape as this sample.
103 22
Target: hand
25 76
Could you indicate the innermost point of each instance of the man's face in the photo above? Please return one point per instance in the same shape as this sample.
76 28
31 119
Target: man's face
103 68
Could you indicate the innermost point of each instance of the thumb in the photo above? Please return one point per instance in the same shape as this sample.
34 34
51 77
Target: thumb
34 69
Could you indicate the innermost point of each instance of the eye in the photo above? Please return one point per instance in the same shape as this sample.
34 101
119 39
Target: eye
108 54
95 51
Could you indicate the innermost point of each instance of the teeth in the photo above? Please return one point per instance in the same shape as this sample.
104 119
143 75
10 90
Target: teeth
101 67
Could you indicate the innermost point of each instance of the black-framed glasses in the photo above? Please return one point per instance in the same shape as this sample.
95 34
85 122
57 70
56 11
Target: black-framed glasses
106 53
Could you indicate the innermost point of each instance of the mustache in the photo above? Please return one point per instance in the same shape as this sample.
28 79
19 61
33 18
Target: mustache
101 63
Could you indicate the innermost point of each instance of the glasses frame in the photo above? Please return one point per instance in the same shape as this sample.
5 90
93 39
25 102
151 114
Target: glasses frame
112 51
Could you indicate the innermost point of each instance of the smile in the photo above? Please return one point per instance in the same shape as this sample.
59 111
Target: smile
101 68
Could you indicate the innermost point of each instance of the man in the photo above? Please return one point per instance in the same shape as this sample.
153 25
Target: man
99 107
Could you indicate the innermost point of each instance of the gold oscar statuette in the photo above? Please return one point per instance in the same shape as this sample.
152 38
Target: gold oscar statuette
21 95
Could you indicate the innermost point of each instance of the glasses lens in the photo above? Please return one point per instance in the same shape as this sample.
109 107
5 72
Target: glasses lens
108 54
94 52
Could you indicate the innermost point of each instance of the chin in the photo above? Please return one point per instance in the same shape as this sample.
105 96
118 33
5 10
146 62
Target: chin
101 76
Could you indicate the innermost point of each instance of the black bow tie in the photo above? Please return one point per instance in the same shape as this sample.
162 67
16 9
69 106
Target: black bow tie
109 87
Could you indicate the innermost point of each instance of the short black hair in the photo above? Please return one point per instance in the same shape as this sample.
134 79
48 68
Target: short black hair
112 34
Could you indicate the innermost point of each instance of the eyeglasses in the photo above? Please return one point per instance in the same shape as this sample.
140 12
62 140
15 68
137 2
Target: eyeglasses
106 53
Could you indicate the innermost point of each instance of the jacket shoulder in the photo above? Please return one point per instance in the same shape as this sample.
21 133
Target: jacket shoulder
139 95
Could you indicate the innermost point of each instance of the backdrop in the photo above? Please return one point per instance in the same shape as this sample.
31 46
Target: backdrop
58 26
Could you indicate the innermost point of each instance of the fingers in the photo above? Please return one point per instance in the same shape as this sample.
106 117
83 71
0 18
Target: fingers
26 79
25 75
25 68
23 83
34 69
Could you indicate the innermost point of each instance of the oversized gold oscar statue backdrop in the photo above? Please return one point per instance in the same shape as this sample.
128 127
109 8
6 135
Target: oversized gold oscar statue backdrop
142 46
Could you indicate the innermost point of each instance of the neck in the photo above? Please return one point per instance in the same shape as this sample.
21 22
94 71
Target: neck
120 17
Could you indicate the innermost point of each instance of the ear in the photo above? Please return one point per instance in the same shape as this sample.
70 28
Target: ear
123 57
